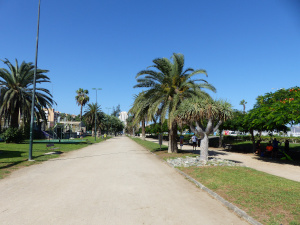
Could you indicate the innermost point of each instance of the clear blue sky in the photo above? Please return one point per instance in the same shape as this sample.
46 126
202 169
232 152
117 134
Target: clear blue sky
247 47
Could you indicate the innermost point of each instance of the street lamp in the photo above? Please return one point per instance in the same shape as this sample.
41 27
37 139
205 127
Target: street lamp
96 110
108 114
33 90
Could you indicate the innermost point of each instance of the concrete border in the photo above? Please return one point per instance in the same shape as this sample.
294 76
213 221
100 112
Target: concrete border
229 205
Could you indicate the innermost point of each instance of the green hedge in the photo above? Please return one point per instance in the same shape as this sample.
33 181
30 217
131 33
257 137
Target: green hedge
227 139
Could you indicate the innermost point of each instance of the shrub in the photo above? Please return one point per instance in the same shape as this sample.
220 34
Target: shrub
13 135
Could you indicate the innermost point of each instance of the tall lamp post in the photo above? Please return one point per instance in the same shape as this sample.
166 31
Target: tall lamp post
33 90
108 114
96 111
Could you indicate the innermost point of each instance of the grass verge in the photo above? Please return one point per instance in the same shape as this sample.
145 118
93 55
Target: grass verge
15 156
269 199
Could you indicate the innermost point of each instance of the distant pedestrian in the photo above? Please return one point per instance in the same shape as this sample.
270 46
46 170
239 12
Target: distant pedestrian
194 141
269 149
257 147
286 145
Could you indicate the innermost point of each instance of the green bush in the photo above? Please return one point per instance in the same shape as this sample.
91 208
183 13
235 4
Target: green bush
13 135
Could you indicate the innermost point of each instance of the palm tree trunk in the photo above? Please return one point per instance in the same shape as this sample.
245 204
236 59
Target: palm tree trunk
143 130
15 119
204 148
173 138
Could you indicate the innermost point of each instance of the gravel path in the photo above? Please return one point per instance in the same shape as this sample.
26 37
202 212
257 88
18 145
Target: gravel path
270 166
113 182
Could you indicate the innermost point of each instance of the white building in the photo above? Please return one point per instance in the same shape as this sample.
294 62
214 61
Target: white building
123 117
295 131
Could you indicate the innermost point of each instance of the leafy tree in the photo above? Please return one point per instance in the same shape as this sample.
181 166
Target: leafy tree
16 92
272 111
204 117
279 108
77 118
69 117
116 111
167 86
82 98
62 116
13 135
116 125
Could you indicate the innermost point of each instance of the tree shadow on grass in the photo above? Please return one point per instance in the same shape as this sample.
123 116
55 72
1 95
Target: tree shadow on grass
10 154
160 150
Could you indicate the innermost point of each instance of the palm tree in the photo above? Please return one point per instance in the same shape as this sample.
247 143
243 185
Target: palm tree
168 85
131 126
204 117
16 92
243 103
140 110
82 98
89 115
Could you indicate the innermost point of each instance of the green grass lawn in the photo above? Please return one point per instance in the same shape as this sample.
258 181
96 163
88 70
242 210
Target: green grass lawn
269 199
15 156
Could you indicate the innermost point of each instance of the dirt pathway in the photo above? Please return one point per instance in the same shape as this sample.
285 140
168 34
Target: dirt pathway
270 166
113 182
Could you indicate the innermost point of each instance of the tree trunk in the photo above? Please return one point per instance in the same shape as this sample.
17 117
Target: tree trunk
221 138
204 148
80 113
15 119
173 138
253 140
143 130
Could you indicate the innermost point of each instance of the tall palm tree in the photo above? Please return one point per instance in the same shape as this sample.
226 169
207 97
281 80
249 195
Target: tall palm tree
204 117
243 103
140 111
16 92
82 98
167 86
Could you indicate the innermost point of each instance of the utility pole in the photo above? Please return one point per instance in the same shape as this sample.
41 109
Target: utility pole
33 90
95 132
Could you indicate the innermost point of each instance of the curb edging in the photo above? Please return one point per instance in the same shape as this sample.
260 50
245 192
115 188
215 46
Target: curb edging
229 205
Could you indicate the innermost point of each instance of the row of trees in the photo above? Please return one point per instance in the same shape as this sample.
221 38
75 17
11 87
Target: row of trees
272 112
173 94
104 122
16 86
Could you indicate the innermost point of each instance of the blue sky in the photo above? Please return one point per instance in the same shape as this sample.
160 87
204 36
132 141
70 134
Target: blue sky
248 48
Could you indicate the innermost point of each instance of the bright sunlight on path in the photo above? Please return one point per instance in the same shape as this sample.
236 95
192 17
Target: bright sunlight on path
113 182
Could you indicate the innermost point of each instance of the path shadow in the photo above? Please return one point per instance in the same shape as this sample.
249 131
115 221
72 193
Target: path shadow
278 161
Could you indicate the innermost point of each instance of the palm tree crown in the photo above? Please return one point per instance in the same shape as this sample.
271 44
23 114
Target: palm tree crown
171 84
168 85
82 98
16 92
